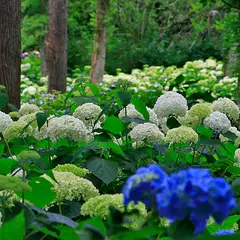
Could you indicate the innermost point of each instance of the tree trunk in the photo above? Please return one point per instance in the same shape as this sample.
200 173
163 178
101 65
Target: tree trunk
56 52
44 68
100 42
10 48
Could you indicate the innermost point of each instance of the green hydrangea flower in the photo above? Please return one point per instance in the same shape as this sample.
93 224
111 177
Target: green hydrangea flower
181 134
99 207
15 130
13 183
70 187
14 115
201 110
78 171
8 198
28 155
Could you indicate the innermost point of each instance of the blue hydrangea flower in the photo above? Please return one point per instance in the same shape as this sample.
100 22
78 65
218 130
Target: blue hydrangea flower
144 185
195 195
224 233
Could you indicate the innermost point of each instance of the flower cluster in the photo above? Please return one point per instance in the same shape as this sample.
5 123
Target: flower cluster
146 132
5 121
78 171
226 106
191 194
131 112
17 129
66 127
88 113
70 187
99 207
181 134
27 108
144 185
237 157
189 121
200 110
171 103
218 121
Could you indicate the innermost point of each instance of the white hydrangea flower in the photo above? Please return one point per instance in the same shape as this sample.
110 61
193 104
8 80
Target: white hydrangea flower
226 106
5 121
218 121
181 134
171 103
133 113
88 113
71 187
27 108
237 156
162 122
66 127
146 132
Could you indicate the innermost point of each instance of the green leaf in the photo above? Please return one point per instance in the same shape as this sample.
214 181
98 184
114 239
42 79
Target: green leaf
111 145
123 98
94 88
6 165
140 107
41 119
227 224
96 222
104 169
14 229
144 233
42 193
44 230
67 233
82 100
172 122
55 218
230 135
12 107
135 120
105 109
234 170
206 132
1 149
3 99
113 124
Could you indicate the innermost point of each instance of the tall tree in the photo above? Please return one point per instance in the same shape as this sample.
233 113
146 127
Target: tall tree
56 46
100 42
10 48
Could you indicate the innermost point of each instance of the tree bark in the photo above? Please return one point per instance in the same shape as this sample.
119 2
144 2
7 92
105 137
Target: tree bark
56 46
100 42
10 48
44 67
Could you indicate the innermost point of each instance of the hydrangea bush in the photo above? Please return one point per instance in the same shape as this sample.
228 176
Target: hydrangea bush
162 163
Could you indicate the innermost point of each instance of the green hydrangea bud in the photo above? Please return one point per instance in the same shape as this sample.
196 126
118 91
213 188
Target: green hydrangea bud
28 155
78 171
14 115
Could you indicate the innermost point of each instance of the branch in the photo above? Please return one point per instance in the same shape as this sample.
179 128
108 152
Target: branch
230 5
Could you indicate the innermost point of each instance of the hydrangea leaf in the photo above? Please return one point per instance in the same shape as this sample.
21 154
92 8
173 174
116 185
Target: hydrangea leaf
82 100
6 165
42 193
113 125
14 229
104 169
41 119
3 100
140 107
94 88
123 98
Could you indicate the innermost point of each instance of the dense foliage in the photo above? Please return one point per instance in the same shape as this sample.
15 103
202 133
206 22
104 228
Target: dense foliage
123 160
